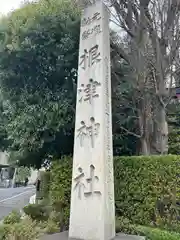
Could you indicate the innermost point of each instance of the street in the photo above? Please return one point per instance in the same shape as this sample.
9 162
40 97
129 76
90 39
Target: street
14 199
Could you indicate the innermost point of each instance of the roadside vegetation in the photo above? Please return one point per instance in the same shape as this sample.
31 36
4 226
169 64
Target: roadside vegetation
146 199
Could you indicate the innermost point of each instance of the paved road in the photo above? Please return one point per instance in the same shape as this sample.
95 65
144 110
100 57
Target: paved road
14 199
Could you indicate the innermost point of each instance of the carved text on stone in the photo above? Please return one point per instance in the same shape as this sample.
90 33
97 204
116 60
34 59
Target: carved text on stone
109 164
88 92
91 181
81 183
88 132
90 57
87 21
92 31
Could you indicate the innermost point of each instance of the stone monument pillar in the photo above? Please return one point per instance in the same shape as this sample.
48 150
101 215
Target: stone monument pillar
92 215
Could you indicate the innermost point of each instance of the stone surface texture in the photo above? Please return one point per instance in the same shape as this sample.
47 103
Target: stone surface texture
92 215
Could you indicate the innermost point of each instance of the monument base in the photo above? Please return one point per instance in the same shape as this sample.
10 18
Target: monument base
64 236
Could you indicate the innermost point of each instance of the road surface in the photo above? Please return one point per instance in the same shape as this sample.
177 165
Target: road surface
14 199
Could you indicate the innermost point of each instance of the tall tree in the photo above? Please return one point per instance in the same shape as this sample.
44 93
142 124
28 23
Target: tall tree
38 65
152 30
124 118
124 113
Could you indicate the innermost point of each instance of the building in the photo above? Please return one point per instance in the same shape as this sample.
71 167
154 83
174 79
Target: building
4 169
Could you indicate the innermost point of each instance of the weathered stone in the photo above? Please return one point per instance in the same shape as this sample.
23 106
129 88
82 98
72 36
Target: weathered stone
92 215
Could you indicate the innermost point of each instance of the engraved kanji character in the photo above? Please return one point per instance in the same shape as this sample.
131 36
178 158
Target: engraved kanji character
85 21
94 55
80 92
93 130
90 131
80 186
89 92
86 3
89 58
87 33
84 59
96 16
92 180
82 133
97 29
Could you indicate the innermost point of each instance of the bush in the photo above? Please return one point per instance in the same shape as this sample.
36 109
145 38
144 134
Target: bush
39 212
13 217
4 230
51 227
124 225
146 190
26 229
157 234
60 189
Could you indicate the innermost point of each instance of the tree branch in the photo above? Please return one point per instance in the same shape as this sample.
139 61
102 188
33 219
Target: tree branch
172 10
129 132
157 91
120 52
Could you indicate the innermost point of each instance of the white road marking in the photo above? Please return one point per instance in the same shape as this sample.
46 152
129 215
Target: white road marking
7 199
5 189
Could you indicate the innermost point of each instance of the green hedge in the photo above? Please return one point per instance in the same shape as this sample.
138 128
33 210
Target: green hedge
157 234
151 233
146 189
60 189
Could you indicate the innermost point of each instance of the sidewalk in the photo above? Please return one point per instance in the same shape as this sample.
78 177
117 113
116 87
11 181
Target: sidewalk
64 236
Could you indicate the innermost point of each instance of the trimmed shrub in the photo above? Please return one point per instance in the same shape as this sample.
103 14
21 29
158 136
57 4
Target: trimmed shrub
124 225
4 230
60 189
26 229
51 227
157 234
13 217
39 212
146 189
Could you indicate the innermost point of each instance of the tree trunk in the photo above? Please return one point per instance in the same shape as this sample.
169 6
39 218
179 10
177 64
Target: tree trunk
144 147
160 135
145 128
